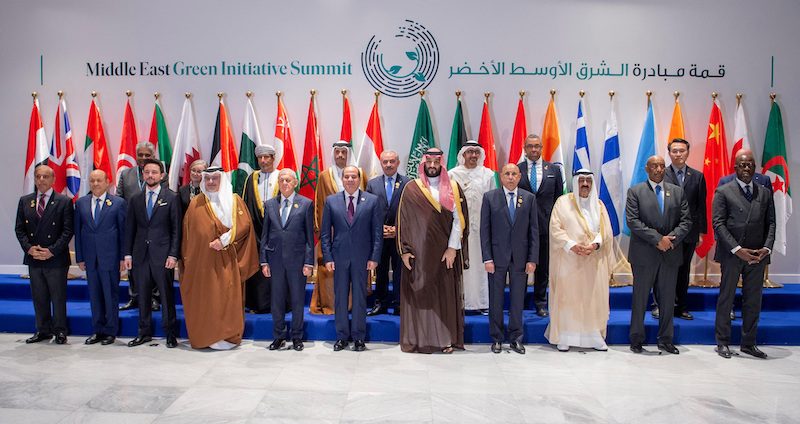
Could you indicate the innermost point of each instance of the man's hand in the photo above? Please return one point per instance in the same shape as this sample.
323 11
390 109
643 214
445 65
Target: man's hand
407 257
449 257
530 268
330 266
762 253
265 271
216 245
579 250
307 270
82 266
128 264
489 267
389 231
35 252
171 262
665 243
45 254
122 266
748 255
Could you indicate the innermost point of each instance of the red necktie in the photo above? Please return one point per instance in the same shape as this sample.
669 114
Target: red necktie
351 211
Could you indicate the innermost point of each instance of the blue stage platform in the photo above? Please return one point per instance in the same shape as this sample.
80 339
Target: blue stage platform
779 325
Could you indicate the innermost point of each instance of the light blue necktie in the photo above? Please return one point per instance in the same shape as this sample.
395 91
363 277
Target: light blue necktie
660 199
285 212
389 189
533 177
511 207
150 204
97 209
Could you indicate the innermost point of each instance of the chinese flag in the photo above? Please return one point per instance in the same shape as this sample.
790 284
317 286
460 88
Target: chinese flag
715 166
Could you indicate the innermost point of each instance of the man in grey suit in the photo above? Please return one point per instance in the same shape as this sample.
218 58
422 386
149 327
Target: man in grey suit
743 215
131 183
510 248
658 216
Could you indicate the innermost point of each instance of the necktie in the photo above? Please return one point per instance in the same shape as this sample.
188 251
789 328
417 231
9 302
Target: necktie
150 195
660 199
97 209
40 206
511 207
351 211
680 178
285 212
389 189
532 176
748 194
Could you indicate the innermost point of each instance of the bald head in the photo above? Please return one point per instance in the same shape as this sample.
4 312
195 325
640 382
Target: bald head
510 176
745 165
98 182
655 168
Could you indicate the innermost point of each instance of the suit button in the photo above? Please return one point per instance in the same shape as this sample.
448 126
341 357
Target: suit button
48 236
54 223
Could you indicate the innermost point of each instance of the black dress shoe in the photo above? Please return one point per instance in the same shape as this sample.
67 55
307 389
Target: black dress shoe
637 348
484 312
108 340
132 304
94 338
155 306
297 344
733 315
377 309
339 345
277 344
497 347
172 342
685 315
753 350
359 346
542 312
259 311
61 338
518 347
669 348
139 340
723 351
655 313
38 337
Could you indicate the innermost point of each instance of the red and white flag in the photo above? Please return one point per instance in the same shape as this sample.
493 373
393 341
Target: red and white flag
126 159
283 143
38 151
63 159
187 147
740 137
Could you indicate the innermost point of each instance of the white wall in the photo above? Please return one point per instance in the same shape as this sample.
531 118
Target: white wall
741 35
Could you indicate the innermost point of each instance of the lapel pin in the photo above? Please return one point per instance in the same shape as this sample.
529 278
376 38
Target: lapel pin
295 206
396 185
666 193
108 202
33 203
363 199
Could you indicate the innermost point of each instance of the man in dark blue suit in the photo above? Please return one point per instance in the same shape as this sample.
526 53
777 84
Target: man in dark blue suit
388 187
99 237
543 179
287 256
351 236
152 248
510 247
44 229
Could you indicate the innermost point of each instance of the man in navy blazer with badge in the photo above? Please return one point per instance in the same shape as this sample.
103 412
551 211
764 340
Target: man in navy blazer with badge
351 237
510 247
44 229
99 243
287 256
543 179
388 187
152 249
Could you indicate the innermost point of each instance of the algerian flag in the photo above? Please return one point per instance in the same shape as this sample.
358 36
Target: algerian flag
775 165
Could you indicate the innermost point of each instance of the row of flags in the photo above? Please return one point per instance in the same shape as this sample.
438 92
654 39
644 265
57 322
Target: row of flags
71 168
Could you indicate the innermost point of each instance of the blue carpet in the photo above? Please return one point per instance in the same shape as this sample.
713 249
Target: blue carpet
779 325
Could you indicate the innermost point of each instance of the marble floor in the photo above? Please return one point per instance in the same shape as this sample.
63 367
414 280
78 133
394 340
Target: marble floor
74 383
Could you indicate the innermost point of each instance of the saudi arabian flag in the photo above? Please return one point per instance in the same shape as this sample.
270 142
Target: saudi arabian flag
159 136
775 165
251 137
423 139
458 136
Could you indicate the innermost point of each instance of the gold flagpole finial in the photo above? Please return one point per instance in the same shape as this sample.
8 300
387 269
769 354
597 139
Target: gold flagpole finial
248 94
128 93
458 94
313 92
714 95
648 93
279 94
552 93
377 93
156 95
94 94
60 94
187 94
34 94
487 94
611 94
739 98
220 94
422 93
344 92
772 97
676 94
521 94
581 93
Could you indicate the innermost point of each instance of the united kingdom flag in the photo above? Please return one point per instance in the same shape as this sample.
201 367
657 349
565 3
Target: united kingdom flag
62 155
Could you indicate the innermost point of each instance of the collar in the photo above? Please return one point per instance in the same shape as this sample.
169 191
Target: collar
506 191
356 194
676 169
290 198
156 190
47 194
385 177
653 184
102 198
742 184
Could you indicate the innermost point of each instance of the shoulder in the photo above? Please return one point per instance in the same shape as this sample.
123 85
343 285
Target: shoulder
300 199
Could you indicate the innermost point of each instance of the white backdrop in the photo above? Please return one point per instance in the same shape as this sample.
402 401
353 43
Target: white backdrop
63 37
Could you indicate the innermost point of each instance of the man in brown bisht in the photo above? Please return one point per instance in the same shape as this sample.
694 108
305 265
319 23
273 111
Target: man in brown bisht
219 254
329 182
432 227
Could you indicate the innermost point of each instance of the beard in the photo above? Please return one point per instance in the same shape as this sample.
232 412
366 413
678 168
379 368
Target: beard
432 172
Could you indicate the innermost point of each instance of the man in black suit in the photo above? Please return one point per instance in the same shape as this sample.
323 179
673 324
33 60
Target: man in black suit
543 179
693 184
743 215
287 256
44 229
658 216
510 248
152 249
388 187
131 182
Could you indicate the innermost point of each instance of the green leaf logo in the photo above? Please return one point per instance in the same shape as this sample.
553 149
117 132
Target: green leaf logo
419 77
412 55
395 69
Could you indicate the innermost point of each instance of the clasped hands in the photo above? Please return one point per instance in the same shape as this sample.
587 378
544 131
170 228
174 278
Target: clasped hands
665 243
583 249
40 253
752 256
